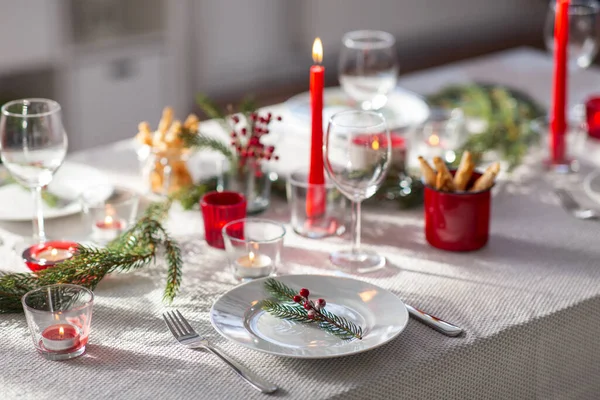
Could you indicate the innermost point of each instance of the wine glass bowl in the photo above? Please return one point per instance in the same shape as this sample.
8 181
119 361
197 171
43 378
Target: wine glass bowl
583 31
33 145
368 67
357 154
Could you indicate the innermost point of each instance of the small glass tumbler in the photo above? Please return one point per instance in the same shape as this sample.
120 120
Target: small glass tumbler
59 318
253 247
109 211
330 223
219 208
592 117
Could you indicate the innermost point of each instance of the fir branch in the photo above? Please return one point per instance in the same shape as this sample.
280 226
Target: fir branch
334 324
279 290
201 142
134 249
189 196
286 311
208 107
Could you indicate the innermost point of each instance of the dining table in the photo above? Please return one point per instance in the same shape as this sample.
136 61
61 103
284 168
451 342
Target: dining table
529 301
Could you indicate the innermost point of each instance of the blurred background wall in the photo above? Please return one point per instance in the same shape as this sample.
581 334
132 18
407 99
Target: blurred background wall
113 63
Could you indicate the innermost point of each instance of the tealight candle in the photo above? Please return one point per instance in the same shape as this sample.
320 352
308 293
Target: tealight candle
253 265
52 254
107 229
44 255
60 337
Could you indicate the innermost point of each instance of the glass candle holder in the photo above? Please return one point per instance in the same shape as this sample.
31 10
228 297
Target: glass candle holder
108 211
59 318
253 247
331 222
48 254
219 208
592 117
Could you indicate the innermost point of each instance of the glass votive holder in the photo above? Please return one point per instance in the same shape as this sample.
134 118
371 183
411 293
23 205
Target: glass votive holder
574 143
109 211
219 208
59 318
48 254
592 117
328 223
253 247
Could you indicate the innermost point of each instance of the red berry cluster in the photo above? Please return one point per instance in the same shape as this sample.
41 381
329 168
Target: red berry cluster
246 138
313 308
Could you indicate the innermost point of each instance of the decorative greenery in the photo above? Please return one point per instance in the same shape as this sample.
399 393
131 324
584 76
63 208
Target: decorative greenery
189 196
134 249
507 113
309 312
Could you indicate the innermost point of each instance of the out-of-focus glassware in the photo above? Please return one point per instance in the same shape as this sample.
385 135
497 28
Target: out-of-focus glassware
59 318
583 31
358 178
368 67
441 135
33 145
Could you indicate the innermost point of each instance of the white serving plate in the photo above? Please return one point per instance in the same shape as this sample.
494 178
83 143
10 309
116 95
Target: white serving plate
238 317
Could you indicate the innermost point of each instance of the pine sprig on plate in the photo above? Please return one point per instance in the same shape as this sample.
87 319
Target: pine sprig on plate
305 310
134 249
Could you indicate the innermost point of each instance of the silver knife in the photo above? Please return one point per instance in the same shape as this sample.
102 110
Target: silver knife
439 325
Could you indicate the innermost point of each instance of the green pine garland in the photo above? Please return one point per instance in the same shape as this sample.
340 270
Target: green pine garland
134 249
285 309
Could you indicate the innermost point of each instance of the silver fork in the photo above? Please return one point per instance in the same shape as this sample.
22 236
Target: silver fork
573 207
187 336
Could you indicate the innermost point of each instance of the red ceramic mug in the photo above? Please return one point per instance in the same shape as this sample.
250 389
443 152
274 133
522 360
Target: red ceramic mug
219 208
457 221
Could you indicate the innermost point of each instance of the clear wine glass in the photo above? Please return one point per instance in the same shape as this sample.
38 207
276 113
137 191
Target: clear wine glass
583 31
357 154
368 67
33 145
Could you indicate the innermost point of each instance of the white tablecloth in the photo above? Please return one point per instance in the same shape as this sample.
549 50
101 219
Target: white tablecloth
529 301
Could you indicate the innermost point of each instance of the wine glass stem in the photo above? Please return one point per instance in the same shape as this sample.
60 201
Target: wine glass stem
356 227
38 220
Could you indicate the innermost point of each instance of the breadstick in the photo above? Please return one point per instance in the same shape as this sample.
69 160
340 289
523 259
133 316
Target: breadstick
191 123
172 138
446 175
464 172
428 172
486 180
165 121
443 182
144 135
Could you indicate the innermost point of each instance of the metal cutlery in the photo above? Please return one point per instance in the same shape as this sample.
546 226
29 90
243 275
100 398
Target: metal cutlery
573 207
439 325
185 335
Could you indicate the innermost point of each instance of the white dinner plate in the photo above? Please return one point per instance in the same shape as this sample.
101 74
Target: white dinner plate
237 315
71 179
403 108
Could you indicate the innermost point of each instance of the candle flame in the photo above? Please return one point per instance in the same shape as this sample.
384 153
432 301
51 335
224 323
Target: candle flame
251 257
317 51
108 220
375 144
434 140
61 331
54 252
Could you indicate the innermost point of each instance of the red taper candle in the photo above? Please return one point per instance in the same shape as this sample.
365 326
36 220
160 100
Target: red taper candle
315 202
558 125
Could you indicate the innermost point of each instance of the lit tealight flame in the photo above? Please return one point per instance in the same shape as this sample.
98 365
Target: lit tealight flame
251 257
317 51
61 331
375 144
53 253
108 220
434 140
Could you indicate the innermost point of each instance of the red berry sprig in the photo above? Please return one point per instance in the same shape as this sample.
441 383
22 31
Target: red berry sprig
313 308
247 139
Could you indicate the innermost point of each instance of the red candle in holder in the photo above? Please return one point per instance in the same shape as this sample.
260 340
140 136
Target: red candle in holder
558 125
48 254
60 337
315 200
368 145
592 116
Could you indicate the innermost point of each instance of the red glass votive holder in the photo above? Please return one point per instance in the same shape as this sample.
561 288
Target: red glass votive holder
592 117
219 208
457 221
44 255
